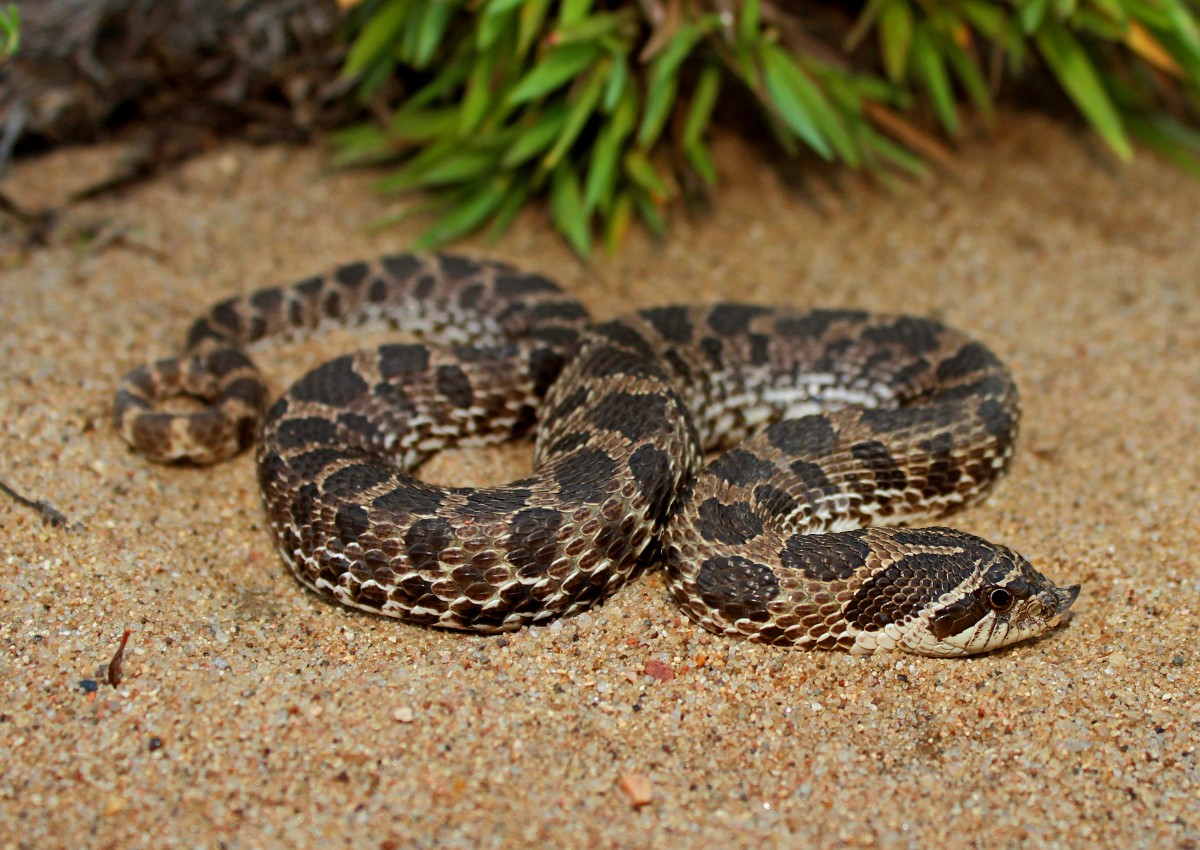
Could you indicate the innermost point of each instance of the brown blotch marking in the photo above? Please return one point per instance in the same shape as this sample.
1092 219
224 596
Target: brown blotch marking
453 383
531 545
825 557
674 324
401 266
411 498
808 437
425 541
350 481
882 466
402 360
913 335
585 476
737 588
740 467
352 275
732 319
351 522
635 416
732 524
334 383
497 503
652 469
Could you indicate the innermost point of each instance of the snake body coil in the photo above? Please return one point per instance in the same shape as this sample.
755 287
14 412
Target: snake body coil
832 423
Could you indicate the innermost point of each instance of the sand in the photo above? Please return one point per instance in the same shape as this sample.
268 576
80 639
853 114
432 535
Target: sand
253 714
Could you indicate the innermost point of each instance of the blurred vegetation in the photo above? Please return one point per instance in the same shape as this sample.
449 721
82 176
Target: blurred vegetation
605 108
10 31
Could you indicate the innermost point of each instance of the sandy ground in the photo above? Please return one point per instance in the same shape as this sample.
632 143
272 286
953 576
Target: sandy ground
253 714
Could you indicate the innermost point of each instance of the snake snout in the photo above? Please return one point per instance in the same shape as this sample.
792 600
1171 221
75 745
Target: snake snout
1066 596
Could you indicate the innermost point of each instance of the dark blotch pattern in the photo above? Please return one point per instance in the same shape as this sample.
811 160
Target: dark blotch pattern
350 481
453 383
814 325
913 336
334 383
403 360
532 546
295 433
901 591
971 358
882 466
806 437
350 522
736 587
635 417
491 504
739 467
585 476
425 541
410 498
652 469
730 319
732 524
673 324
825 557
352 275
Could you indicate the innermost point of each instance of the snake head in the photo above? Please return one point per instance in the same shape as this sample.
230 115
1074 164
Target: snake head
1005 601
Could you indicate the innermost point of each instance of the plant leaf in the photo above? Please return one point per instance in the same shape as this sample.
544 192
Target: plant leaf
585 101
566 209
560 66
779 75
536 137
704 97
376 36
606 152
465 215
1076 74
643 174
895 35
932 71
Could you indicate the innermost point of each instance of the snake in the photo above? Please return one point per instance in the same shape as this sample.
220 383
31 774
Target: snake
776 462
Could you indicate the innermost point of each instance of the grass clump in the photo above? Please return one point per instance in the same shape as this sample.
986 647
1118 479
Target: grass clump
604 108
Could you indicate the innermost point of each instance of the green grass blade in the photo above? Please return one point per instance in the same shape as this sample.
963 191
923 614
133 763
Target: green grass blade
434 23
617 80
566 209
466 215
581 109
932 71
377 36
606 153
1031 14
642 173
971 77
534 139
895 36
561 65
1075 72
508 208
704 98
779 75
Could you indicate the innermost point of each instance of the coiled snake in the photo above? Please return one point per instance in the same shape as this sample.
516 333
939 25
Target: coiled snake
832 423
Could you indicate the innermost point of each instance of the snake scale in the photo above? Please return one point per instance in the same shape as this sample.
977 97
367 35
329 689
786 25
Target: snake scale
836 430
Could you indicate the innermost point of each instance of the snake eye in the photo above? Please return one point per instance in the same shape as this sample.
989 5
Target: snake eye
999 599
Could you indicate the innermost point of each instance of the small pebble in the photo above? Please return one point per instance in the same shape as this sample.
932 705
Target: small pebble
403 714
659 671
638 787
